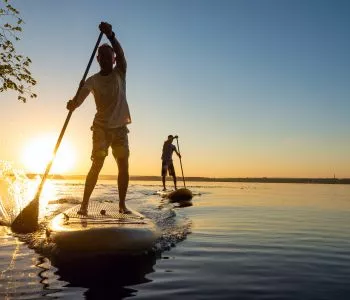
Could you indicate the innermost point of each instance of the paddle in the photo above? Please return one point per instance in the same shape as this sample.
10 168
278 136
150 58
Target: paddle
27 220
178 149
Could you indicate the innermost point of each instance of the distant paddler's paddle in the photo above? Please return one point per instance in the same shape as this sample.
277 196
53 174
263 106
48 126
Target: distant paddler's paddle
27 220
178 149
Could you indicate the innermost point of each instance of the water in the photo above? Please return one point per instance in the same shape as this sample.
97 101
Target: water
237 241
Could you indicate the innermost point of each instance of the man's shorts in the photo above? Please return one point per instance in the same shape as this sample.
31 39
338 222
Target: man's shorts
116 138
168 166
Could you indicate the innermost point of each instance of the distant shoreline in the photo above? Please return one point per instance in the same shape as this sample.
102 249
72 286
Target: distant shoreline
210 179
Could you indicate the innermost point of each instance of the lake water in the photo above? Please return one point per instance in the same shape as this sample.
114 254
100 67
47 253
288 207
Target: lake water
236 241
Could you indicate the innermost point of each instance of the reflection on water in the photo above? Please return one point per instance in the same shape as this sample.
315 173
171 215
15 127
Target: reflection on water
48 279
104 276
183 204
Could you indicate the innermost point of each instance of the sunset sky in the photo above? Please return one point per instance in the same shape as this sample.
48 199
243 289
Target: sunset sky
253 87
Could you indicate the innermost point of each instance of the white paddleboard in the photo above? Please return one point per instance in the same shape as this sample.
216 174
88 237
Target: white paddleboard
103 230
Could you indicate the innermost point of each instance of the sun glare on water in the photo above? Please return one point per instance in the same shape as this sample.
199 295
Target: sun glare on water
39 151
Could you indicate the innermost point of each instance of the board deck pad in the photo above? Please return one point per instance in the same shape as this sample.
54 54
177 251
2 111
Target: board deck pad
112 214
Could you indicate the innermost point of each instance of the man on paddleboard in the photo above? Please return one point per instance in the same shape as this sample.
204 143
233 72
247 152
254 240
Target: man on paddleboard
167 160
109 128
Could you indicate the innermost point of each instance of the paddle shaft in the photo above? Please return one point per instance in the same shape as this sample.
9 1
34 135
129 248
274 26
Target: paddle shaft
37 195
182 171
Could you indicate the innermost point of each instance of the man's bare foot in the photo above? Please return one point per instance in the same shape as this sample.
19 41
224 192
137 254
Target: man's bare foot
124 210
82 211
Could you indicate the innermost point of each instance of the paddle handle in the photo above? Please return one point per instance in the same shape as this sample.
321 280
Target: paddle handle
48 167
182 171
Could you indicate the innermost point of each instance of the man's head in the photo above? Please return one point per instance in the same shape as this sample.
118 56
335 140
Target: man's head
106 57
170 138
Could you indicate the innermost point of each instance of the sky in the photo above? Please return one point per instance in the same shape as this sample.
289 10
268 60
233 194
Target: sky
253 88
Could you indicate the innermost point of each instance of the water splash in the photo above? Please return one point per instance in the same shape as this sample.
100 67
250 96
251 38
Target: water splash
14 188
17 191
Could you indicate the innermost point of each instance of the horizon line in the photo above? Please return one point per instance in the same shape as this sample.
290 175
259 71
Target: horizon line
212 179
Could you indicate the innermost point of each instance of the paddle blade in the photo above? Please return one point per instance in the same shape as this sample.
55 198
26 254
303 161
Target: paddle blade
27 220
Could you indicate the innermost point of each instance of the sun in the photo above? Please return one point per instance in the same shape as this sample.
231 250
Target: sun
39 151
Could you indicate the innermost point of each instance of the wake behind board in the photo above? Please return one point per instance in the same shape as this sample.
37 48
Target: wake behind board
103 230
178 195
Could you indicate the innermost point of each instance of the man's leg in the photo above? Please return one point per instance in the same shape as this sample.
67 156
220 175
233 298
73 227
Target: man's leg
174 178
123 181
172 173
163 180
90 183
163 173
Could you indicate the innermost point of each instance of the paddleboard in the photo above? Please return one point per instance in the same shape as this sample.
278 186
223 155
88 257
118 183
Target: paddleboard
103 230
178 195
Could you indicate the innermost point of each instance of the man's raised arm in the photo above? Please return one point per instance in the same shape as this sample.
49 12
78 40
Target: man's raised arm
119 53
